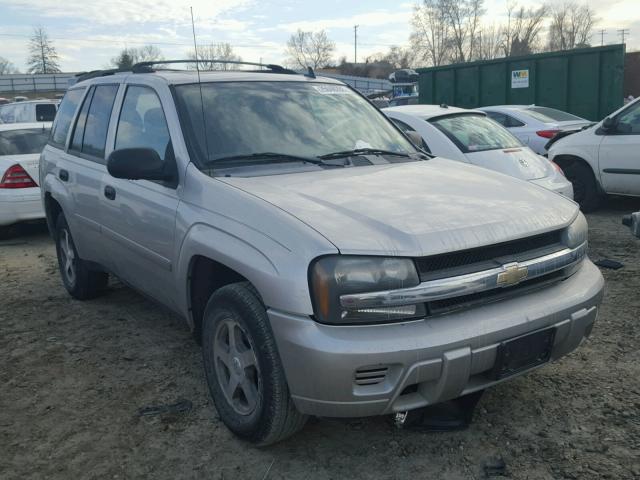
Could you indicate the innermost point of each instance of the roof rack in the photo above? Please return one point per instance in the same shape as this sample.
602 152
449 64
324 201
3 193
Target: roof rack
147 67
98 73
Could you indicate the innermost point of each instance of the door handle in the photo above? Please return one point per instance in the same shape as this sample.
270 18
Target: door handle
63 175
110 192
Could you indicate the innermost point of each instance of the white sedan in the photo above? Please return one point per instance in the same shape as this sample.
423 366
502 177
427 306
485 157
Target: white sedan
469 136
20 147
534 125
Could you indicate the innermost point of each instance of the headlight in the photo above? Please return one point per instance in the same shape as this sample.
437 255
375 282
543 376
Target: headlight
333 276
577 233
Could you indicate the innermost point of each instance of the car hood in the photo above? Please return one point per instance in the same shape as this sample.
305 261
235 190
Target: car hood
412 209
519 162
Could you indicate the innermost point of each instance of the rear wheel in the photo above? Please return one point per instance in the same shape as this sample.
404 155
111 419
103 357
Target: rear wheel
243 368
79 279
585 188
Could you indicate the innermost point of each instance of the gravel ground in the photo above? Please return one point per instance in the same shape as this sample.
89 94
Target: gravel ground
74 376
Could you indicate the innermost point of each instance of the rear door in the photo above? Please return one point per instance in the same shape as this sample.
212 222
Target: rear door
619 154
138 216
83 167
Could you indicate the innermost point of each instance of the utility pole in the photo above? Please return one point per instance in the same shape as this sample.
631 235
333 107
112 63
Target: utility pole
602 34
623 32
355 44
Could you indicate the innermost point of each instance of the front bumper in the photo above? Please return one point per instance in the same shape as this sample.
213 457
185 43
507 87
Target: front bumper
17 205
440 358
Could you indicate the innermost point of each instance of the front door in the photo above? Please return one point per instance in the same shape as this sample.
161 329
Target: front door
138 216
619 154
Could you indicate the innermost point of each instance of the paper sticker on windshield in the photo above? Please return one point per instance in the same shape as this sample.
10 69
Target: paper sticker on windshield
332 89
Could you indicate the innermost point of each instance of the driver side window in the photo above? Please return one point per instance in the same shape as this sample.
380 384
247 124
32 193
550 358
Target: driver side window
142 123
629 120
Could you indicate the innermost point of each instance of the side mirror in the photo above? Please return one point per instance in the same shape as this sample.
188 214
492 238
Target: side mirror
137 164
609 124
415 138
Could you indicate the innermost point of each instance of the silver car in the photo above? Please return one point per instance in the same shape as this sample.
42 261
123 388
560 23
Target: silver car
326 266
534 125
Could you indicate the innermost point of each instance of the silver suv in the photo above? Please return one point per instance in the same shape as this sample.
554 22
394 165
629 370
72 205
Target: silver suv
326 265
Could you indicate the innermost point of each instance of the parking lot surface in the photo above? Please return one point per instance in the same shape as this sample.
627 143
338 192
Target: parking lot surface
75 375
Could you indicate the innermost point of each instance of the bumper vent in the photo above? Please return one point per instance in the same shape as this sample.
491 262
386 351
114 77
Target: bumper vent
371 375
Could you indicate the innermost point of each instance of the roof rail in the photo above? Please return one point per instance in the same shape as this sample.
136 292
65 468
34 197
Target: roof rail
99 73
147 67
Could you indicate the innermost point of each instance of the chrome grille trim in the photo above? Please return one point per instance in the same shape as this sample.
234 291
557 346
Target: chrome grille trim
465 284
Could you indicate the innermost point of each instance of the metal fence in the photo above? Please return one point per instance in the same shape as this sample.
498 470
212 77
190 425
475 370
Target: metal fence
21 83
364 85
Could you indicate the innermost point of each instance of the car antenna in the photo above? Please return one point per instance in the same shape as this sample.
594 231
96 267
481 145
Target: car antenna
204 120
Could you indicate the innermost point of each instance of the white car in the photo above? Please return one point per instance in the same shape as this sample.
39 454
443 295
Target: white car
469 136
29 111
604 158
534 125
20 148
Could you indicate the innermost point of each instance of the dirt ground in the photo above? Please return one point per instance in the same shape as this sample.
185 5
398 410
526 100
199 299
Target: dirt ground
73 376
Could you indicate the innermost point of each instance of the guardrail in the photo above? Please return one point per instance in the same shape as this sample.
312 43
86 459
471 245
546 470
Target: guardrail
22 83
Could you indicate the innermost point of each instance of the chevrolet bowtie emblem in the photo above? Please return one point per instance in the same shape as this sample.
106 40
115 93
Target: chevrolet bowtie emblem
513 273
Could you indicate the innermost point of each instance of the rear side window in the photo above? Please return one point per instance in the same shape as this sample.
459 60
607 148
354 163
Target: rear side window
142 123
92 127
65 115
7 113
504 120
45 112
475 133
23 142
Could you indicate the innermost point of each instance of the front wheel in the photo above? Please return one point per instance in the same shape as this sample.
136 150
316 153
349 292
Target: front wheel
79 279
243 369
585 188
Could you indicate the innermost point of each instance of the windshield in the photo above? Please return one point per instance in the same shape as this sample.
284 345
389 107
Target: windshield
475 133
23 142
550 115
292 118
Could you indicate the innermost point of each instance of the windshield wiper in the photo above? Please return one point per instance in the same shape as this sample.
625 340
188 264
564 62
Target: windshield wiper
362 151
266 156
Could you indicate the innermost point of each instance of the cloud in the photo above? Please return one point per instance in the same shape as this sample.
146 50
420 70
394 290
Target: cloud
115 12
375 18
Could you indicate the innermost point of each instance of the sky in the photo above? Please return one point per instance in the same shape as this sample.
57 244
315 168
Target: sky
89 33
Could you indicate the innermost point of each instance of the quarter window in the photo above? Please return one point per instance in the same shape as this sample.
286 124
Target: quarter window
142 123
65 115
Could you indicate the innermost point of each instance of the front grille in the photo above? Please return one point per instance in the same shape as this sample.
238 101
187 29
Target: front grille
447 305
370 375
484 258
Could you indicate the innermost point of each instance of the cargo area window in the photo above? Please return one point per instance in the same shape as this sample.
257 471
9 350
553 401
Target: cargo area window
65 116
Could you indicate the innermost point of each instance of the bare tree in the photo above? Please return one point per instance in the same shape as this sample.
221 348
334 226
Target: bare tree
130 56
489 43
571 25
396 57
6 67
207 54
43 57
464 18
309 49
521 34
430 36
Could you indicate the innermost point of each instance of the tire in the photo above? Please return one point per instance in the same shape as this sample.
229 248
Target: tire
585 188
246 381
79 279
